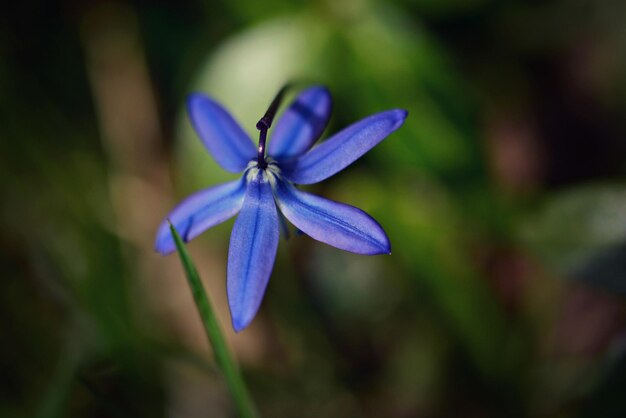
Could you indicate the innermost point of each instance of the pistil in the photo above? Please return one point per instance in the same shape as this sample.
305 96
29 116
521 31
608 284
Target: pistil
266 122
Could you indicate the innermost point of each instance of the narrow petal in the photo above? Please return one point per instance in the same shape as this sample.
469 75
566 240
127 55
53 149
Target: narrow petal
251 254
337 224
199 212
221 134
302 123
343 148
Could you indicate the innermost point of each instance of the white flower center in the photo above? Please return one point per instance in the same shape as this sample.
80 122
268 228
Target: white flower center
268 174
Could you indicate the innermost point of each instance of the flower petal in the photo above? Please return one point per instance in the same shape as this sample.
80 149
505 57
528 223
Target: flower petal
251 254
343 148
302 123
337 224
221 134
199 212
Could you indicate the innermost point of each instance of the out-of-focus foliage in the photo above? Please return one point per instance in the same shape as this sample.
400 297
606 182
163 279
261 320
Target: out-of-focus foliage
582 233
502 195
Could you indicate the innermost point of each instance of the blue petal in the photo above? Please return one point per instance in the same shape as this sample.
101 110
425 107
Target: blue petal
343 148
251 254
302 124
199 212
337 224
221 134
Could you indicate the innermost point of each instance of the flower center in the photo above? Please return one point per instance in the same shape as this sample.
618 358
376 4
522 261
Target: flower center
264 124
270 172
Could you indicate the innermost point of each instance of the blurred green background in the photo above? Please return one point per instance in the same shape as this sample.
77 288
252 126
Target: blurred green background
503 196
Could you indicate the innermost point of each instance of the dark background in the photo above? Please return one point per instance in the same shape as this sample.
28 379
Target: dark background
503 196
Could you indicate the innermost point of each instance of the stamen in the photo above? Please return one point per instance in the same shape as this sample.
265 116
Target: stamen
266 121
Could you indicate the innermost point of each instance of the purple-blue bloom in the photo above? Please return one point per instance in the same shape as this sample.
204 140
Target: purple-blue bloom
269 182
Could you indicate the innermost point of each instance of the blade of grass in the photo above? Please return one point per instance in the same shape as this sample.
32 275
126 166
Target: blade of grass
223 357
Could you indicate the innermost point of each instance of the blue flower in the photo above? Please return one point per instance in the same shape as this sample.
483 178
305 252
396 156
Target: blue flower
269 181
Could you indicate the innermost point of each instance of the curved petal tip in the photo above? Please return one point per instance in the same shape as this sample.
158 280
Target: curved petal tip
402 115
241 323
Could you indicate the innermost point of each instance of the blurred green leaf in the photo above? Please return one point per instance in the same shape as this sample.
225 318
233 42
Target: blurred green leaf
429 240
581 234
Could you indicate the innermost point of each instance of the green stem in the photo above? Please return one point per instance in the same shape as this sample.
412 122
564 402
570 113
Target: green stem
223 358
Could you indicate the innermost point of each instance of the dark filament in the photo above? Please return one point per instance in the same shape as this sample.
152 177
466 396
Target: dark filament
265 122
